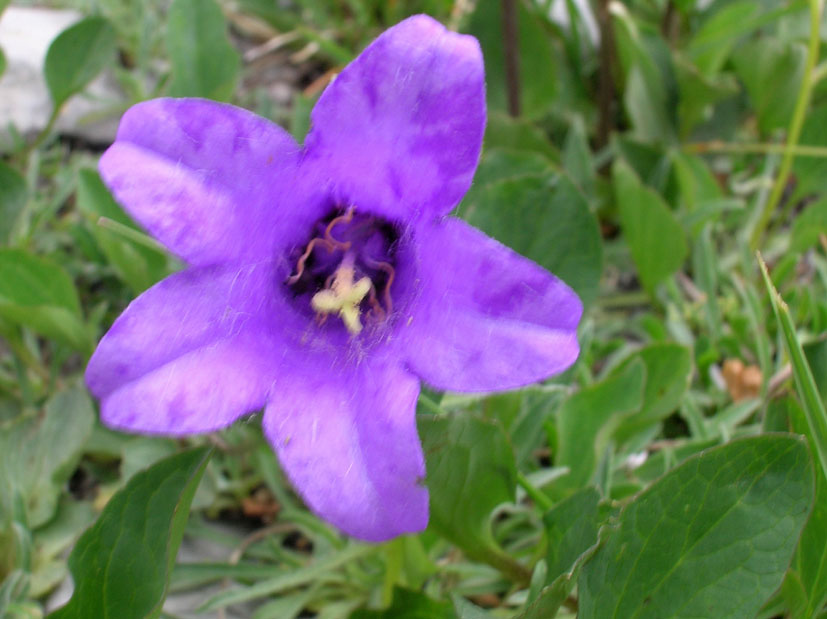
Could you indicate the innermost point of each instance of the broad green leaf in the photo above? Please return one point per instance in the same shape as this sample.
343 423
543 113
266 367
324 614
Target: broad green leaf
655 237
13 196
76 56
698 92
36 293
577 158
38 454
668 372
204 63
470 472
805 384
538 83
138 266
651 163
806 583
571 527
650 94
549 601
502 131
546 219
771 70
2 62
646 104
409 605
586 421
809 226
695 181
499 164
711 538
712 44
121 566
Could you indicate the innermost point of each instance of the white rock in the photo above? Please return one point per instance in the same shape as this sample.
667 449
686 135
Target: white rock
25 36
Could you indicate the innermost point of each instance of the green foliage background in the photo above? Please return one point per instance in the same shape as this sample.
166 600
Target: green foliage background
677 470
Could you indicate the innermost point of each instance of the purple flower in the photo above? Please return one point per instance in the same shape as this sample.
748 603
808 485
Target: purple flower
324 282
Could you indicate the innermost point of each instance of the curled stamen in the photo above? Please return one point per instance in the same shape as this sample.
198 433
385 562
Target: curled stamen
375 307
308 250
341 219
391 272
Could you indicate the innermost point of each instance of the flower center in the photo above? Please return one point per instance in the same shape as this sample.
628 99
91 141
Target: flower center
348 269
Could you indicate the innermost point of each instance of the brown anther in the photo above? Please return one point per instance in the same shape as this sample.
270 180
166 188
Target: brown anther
308 250
341 219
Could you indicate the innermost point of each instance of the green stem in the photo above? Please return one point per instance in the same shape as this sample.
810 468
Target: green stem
759 148
796 124
47 130
540 499
506 565
429 404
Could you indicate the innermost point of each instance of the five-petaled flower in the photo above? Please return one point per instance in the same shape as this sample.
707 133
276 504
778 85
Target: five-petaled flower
324 282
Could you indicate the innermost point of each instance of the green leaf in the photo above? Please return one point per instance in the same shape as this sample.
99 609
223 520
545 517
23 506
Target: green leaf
409 605
698 92
36 293
51 541
771 70
809 226
650 86
816 354
810 172
712 537
204 63
470 472
805 383
571 527
546 219
806 583
288 579
695 180
13 196
76 56
668 373
39 452
646 105
121 566
712 44
549 601
586 421
137 265
2 62
538 82
517 134
466 610
655 237
577 158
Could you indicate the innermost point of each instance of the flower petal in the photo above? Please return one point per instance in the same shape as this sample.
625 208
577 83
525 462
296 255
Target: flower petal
187 311
346 437
209 180
487 318
201 391
399 131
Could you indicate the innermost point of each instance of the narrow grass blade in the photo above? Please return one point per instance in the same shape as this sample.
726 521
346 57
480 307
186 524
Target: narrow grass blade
804 381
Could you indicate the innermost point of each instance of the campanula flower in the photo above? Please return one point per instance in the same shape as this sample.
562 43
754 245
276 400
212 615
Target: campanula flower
325 281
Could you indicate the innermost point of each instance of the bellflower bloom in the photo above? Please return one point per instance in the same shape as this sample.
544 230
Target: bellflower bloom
325 281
